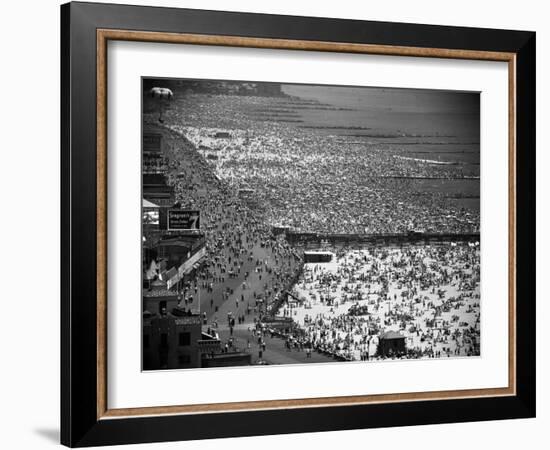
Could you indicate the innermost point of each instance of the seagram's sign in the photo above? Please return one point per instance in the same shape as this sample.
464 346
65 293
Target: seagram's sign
182 219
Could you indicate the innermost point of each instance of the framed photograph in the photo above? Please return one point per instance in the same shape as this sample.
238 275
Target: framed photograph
276 224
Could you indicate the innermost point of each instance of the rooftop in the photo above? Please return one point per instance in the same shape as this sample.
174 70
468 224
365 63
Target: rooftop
391 335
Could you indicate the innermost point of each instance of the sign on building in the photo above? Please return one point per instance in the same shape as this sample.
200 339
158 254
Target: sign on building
151 142
191 320
182 219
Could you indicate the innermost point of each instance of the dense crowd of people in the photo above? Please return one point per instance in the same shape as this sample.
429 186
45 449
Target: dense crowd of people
429 295
246 175
317 182
244 264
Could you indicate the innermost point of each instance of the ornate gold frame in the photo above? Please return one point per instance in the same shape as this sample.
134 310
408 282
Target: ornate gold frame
103 36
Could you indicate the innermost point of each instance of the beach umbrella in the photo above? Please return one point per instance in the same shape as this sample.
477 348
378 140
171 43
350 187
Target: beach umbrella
163 97
160 92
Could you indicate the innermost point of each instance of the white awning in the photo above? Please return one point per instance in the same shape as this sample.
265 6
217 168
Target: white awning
148 204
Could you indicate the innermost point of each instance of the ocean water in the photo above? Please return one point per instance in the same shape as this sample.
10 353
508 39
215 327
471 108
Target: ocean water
436 126
454 115
439 127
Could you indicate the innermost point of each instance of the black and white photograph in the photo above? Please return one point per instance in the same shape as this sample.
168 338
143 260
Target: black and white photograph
298 224
275 225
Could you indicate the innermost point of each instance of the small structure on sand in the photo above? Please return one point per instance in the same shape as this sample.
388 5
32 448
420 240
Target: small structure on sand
391 343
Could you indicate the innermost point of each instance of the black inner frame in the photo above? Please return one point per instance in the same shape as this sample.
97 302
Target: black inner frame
79 423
